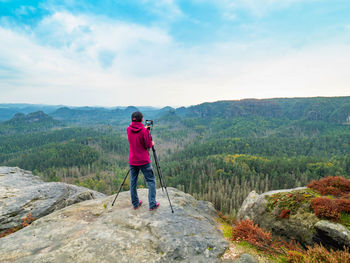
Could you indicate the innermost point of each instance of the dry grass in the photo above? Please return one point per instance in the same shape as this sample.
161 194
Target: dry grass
319 254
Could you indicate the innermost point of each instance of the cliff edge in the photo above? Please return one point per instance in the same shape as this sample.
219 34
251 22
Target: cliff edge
94 231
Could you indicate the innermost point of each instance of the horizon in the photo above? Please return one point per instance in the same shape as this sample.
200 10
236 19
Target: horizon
158 107
172 52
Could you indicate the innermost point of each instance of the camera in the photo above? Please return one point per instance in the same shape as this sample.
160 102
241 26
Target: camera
149 123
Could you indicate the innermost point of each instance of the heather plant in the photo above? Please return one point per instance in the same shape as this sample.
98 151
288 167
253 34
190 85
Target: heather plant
331 185
285 213
246 230
334 208
326 208
291 251
343 205
319 254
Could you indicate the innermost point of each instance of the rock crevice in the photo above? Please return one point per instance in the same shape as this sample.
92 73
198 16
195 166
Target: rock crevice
22 193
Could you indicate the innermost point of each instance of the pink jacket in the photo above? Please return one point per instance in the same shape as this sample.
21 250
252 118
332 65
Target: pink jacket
140 141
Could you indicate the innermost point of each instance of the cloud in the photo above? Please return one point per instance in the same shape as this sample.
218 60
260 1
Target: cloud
312 71
95 40
92 60
67 53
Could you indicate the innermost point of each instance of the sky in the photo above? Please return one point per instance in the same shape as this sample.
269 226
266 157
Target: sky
172 52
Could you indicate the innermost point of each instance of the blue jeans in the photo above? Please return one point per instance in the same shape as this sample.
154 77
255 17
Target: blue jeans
148 173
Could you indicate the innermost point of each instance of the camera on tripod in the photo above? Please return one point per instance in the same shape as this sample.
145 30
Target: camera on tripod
149 123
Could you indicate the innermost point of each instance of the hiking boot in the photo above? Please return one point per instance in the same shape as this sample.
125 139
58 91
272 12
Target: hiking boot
140 203
155 207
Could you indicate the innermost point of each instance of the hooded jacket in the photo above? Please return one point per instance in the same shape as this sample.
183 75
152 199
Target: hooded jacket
140 141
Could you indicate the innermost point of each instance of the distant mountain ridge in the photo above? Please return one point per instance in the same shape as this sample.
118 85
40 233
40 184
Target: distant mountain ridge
37 116
8 110
329 109
27 123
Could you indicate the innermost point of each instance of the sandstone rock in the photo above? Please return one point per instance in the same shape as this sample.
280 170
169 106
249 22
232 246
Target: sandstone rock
254 205
21 193
302 225
93 231
335 235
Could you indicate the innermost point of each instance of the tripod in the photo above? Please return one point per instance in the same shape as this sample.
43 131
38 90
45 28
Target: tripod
160 175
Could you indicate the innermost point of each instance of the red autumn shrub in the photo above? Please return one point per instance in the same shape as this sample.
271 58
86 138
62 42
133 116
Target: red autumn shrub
285 213
343 205
346 196
254 235
224 217
331 190
246 230
331 185
326 208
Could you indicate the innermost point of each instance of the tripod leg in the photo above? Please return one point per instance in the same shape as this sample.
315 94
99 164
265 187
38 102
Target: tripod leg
158 168
161 180
171 207
161 175
120 188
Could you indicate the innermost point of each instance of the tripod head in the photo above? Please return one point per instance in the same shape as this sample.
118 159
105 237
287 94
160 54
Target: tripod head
149 124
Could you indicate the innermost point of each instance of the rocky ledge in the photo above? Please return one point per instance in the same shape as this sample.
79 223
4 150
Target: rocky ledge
23 194
94 231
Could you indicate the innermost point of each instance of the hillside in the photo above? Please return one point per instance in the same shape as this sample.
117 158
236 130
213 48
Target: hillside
217 151
32 122
8 110
330 109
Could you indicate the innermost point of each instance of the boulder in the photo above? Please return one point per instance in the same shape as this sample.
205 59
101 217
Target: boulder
300 223
335 235
94 231
22 193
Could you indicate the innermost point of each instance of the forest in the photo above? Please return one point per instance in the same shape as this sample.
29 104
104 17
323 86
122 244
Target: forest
215 151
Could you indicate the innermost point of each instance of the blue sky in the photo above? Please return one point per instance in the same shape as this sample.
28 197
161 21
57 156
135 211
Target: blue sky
170 52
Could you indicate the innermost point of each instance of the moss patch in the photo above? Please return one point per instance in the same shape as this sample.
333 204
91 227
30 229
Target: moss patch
245 244
292 201
227 231
345 219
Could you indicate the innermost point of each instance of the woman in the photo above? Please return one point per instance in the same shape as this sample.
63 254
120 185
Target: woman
140 141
